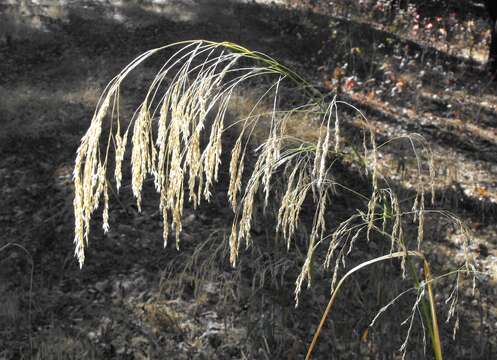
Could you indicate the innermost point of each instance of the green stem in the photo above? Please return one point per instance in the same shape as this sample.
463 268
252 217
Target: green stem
428 311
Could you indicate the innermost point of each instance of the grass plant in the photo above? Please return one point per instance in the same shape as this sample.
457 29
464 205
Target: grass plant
176 138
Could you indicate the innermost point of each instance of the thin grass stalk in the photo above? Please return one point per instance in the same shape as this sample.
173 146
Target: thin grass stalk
436 343
428 280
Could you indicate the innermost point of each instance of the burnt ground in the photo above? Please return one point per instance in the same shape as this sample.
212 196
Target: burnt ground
134 299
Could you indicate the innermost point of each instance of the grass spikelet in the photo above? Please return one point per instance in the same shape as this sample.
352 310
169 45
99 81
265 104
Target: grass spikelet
105 213
88 174
141 159
317 232
193 162
165 224
248 204
272 148
212 154
323 146
291 203
234 244
120 149
236 172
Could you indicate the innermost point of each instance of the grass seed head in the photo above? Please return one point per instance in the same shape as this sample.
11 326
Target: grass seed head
177 137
